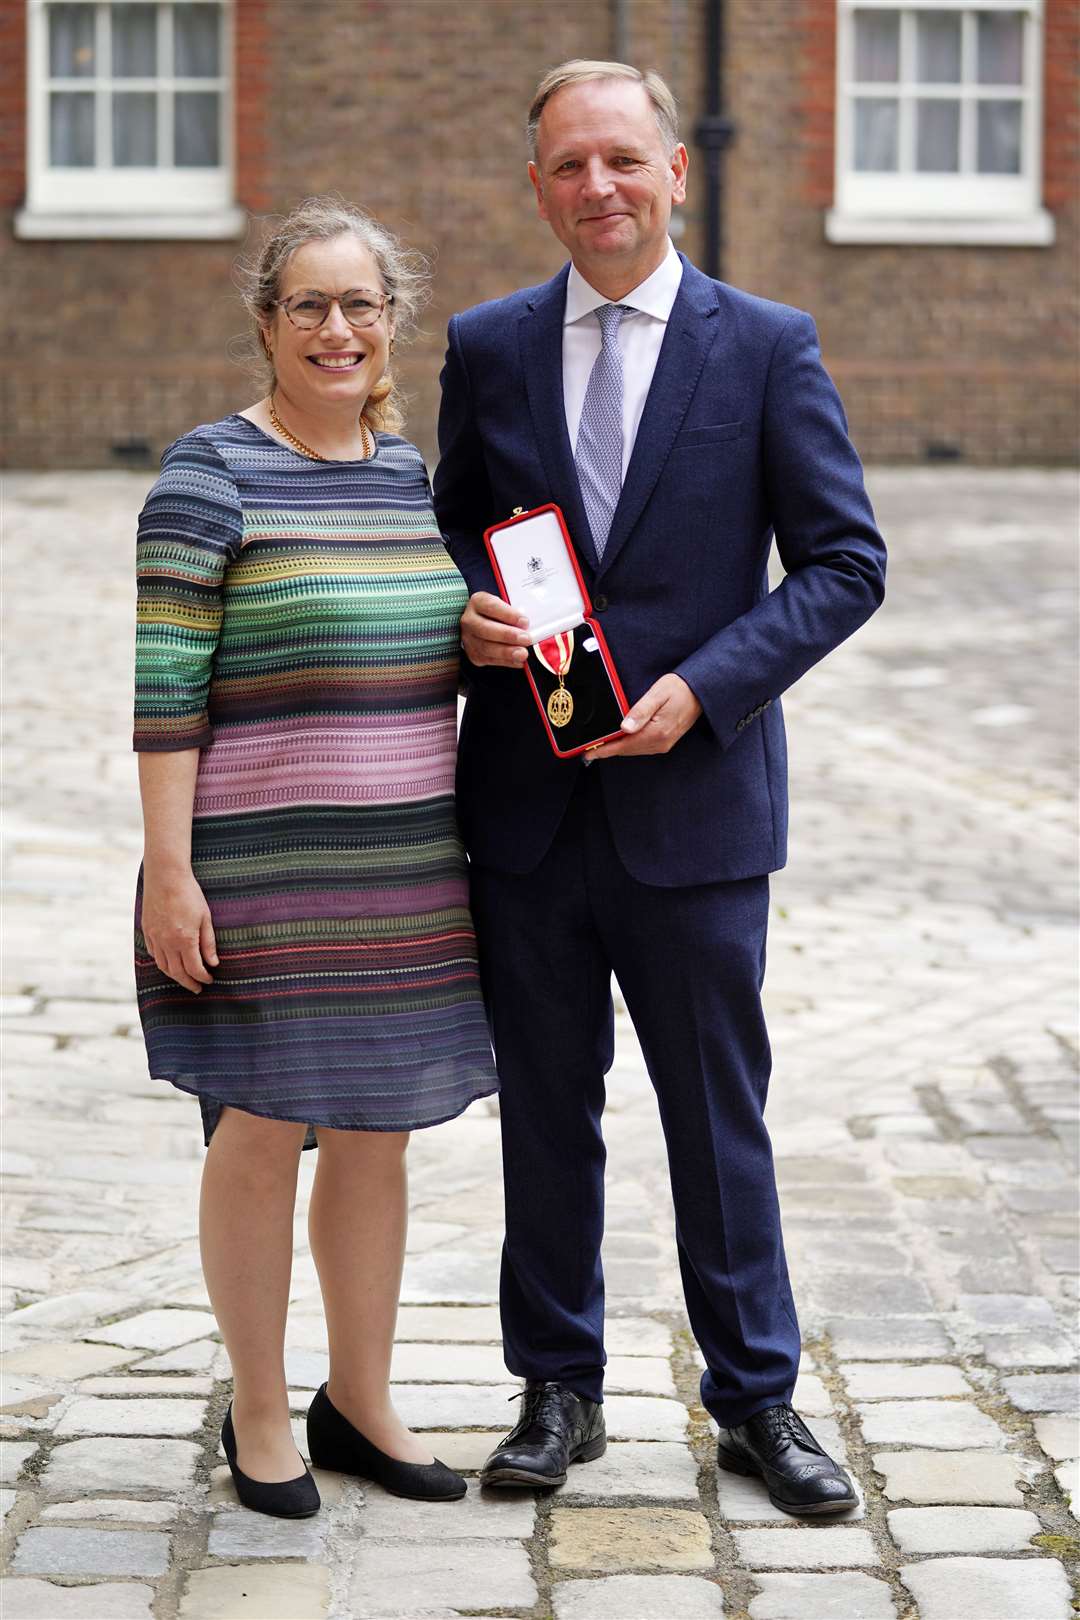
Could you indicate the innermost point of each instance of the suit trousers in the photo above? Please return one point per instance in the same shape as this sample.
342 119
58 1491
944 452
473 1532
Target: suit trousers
689 963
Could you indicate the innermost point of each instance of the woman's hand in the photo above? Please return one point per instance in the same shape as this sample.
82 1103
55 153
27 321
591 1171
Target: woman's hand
177 927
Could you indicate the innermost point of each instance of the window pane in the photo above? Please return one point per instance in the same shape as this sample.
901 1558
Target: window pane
877 47
71 42
937 47
71 129
134 42
196 33
197 125
1001 47
937 137
134 130
999 137
876 123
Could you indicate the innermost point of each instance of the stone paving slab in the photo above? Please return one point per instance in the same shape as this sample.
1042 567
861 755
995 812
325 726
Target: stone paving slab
645 1597
91 1552
988 1589
104 1600
922 1003
609 1539
452 1575
822 1597
272 1592
974 1477
963 1529
806 1547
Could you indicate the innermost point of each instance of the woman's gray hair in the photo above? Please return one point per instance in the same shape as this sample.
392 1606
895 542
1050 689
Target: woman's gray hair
405 276
579 71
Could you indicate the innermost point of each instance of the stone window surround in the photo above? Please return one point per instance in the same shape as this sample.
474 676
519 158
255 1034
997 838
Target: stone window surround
957 209
160 203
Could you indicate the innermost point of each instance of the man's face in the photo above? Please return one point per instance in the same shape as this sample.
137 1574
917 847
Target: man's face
603 180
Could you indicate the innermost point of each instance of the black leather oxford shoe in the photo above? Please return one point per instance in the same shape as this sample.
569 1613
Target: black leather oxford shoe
776 1444
556 1428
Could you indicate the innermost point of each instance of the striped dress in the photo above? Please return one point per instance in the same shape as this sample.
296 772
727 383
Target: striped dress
298 624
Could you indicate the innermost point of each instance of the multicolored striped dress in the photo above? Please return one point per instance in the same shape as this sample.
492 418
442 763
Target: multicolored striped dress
298 623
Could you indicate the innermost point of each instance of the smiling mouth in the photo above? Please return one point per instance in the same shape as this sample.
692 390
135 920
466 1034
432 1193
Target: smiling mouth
335 362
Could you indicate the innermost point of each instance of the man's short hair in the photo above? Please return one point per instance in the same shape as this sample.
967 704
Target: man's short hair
580 70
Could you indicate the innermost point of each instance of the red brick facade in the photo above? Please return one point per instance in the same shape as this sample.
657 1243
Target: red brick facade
416 111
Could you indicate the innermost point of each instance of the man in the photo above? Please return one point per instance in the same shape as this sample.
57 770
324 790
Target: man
679 424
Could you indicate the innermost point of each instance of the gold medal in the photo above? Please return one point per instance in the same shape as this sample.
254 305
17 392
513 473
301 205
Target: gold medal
555 654
560 707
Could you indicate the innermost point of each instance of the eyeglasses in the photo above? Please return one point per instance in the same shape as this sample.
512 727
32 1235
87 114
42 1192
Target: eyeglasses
309 308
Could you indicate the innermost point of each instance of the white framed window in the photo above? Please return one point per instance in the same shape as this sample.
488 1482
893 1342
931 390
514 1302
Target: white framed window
939 123
129 106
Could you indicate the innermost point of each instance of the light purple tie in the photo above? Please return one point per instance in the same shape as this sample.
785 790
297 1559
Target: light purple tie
599 453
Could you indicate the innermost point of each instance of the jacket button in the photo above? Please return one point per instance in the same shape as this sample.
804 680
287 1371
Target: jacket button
600 603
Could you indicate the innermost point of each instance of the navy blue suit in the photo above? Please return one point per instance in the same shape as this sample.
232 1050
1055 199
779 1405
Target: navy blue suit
652 867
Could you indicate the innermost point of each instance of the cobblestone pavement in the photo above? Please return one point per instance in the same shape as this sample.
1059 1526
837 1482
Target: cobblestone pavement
921 988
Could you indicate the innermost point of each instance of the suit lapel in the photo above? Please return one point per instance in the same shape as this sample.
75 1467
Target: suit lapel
691 332
541 338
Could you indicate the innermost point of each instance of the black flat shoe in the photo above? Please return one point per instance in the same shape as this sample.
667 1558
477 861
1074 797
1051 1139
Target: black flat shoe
290 1499
802 1479
556 1428
334 1443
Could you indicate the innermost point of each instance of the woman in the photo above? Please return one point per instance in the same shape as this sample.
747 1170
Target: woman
304 954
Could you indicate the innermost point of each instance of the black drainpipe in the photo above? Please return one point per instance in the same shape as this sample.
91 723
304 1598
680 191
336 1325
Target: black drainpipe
713 133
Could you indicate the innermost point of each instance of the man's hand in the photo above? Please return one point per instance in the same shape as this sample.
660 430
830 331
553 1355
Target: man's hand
492 632
655 723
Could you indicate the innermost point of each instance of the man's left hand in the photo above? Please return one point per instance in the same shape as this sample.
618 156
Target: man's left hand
655 723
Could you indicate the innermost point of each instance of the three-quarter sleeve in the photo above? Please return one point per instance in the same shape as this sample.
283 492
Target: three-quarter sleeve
189 531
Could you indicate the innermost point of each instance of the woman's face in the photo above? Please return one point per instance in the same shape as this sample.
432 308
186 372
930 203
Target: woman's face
332 366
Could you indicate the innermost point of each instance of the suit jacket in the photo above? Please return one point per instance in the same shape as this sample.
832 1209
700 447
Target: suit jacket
743 439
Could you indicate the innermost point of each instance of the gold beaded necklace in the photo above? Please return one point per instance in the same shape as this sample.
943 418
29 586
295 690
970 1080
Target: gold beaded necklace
367 438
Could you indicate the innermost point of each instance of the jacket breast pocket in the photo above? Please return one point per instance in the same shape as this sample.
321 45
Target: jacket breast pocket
708 435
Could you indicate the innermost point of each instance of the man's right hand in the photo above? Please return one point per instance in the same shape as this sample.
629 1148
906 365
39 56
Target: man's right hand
492 632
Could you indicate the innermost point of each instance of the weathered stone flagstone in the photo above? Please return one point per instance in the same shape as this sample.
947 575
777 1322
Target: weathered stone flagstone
1058 1436
156 1330
962 1529
892 1380
989 1589
451 1575
104 1600
91 1552
645 1597
650 1471
977 1477
268 1591
111 1464
609 1539
1045 1392
112 1509
255 1535
939 1424
817 1547
482 1515
98 1415
821 1597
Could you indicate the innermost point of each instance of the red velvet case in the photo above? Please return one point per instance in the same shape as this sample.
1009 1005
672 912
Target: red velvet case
592 680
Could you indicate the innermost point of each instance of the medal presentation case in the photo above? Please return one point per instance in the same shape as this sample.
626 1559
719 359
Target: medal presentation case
570 669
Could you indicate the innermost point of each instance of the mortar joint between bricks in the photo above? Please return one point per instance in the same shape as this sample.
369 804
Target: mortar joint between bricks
1008 1074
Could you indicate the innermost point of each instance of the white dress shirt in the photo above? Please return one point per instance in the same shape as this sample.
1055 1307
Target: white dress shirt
639 337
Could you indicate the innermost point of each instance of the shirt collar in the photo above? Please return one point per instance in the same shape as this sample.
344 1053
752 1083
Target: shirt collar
654 296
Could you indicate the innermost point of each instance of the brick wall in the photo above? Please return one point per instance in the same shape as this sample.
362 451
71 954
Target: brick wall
972 349
416 111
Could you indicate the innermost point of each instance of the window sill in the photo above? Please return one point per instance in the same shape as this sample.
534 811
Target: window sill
215 224
1026 230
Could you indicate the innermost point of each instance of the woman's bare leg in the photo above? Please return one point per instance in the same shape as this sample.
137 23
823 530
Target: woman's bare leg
246 1238
357 1220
